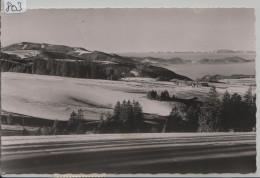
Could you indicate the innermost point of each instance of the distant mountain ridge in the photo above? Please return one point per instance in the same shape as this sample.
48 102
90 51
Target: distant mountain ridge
60 60
225 51
216 78
225 60
60 52
234 59
211 57
232 51
153 60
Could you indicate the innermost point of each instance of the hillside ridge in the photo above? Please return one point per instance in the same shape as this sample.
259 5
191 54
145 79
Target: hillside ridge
61 60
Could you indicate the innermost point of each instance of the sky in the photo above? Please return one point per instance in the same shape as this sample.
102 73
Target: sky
134 30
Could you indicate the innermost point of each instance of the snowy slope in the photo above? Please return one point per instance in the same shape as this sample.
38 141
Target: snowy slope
55 97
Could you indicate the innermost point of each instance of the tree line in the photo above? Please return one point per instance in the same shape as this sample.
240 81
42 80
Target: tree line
127 117
216 114
230 113
75 69
68 68
233 112
75 125
164 96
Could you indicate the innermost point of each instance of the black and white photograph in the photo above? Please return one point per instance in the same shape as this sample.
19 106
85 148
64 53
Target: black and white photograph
128 90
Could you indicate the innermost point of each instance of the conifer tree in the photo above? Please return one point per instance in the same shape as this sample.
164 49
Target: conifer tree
137 115
248 97
210 112
174 122
226 120
250 106
123 112
192 119
117 110
165 95
129 121
237 112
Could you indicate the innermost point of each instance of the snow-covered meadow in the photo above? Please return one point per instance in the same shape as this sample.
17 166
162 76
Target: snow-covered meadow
53 97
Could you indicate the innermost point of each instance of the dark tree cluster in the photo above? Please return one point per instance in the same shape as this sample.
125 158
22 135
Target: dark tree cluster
164 96
73 68
209 117
152 95
77 122
191 123
12 66
231 113
174 123
68 68
127 117
75 125
238 113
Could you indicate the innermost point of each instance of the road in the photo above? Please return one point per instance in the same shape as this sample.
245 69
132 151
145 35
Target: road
133 153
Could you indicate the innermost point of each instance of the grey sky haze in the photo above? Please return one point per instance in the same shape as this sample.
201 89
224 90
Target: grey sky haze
134 30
